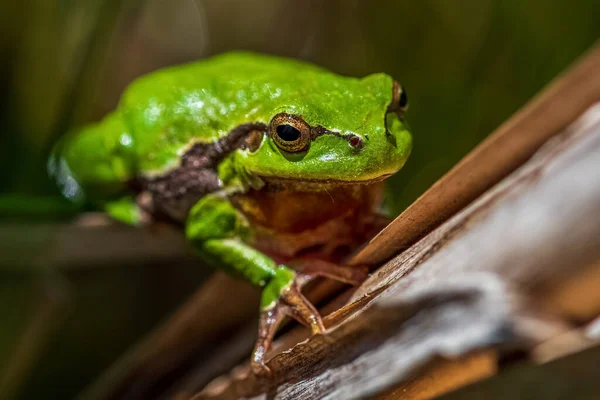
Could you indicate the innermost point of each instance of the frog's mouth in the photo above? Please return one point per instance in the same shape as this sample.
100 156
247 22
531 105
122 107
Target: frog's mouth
278 183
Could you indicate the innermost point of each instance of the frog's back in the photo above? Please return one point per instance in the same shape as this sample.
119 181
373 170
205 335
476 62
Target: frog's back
170 109
162 114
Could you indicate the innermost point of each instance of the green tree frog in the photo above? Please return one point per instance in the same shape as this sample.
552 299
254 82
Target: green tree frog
272 166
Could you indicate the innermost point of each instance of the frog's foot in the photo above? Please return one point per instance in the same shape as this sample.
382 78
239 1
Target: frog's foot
289 302
311 268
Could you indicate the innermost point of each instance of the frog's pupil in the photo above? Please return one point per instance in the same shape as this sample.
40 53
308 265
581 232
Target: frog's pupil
288 133
403 99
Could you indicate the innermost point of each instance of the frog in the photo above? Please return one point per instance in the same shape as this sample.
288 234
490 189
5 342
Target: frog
273 168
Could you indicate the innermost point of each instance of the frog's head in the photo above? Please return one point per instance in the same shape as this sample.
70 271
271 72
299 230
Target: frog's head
344 130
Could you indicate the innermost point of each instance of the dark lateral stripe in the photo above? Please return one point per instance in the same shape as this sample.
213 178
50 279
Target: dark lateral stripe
179 189
209 155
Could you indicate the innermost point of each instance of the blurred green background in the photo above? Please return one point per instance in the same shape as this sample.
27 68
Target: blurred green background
466 65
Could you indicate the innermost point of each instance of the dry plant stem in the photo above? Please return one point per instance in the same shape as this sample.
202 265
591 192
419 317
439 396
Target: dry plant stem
444 376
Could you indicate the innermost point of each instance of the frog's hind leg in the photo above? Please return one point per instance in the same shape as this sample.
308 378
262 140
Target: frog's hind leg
312 268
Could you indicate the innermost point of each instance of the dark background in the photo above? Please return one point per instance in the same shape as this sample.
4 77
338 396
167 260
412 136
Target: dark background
466 65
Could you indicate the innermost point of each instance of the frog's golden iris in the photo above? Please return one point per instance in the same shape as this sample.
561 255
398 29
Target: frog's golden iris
290 132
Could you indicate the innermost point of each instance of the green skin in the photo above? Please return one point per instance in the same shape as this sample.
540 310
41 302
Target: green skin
161 115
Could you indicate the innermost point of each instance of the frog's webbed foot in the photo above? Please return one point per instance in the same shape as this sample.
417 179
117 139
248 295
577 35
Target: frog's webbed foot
291 303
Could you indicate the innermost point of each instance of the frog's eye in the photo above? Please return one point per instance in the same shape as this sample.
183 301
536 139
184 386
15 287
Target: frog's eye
290 132
399 102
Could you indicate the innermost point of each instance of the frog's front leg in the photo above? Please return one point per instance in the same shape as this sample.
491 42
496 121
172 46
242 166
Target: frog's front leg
217 231
282 299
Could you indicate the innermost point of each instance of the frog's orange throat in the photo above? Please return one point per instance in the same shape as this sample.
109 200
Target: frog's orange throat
322 221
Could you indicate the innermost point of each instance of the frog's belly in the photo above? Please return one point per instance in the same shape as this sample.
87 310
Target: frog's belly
324 223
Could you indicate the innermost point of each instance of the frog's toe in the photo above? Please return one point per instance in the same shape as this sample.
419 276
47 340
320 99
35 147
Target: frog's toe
257 363
299 308
267 326
312 268
259 368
